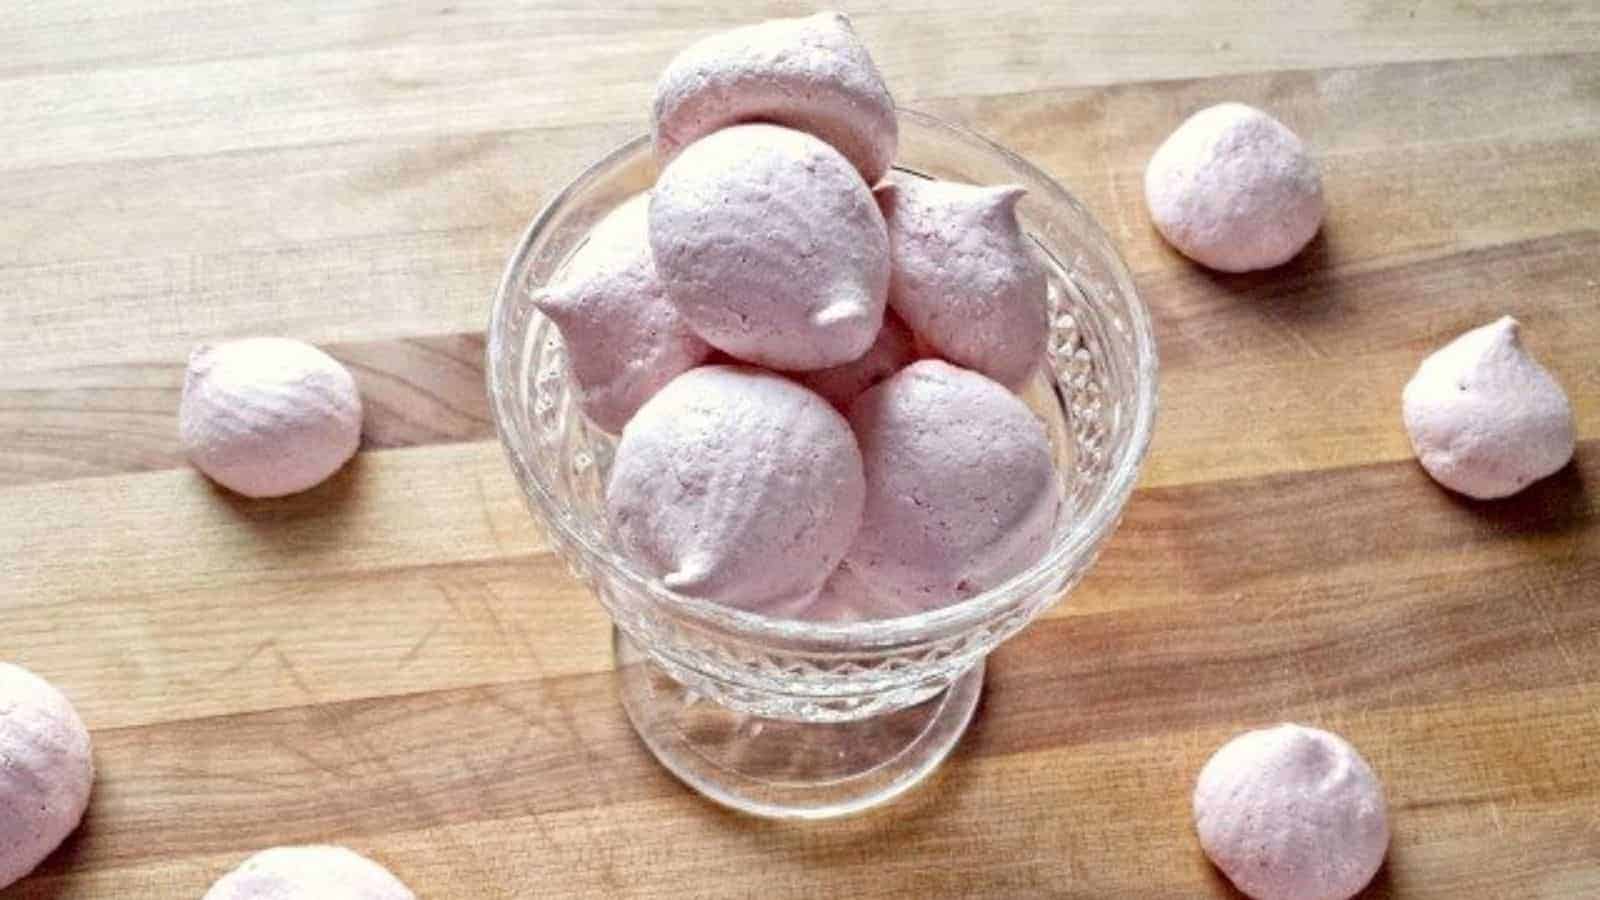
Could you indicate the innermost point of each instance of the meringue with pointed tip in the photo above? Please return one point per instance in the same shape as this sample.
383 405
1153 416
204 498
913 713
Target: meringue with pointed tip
771 247
46 771
309 873
737 486
1484 418
893 349
962 275
1292 813
811 74
962 491
1234 190
625 340
265 417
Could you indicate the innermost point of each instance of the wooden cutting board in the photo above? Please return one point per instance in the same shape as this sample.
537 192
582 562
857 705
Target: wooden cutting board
396 662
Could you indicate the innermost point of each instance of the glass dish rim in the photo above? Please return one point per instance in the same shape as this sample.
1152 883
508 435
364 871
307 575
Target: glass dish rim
1086 532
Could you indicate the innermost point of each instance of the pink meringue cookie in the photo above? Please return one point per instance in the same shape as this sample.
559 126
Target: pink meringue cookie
846 598
737 486
894 348
772 248
309 873
962 491
1292 813
1484 418
963 277
810 74
1234 190
624 339
265 417
46 771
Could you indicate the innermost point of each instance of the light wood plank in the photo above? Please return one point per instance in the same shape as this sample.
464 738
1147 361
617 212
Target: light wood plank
1439 261
1516 825
152 533
420 230
183 644
115 418
389 68
191 653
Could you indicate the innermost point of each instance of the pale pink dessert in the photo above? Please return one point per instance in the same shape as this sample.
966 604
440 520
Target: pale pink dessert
893 349
1234 190
845 598
46 771
309 873
962 275
810 74
625 339
737 486
1292 813
265 417
1484 417
962 491
771 246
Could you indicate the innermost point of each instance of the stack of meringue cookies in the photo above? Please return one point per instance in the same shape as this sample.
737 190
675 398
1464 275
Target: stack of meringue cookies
858 425
811 361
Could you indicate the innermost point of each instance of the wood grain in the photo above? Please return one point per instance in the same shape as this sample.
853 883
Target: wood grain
396 660
116 418
1439 260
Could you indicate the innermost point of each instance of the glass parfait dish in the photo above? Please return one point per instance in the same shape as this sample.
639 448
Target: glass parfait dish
795 719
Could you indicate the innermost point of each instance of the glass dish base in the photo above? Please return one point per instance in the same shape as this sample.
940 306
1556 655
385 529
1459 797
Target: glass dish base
782 769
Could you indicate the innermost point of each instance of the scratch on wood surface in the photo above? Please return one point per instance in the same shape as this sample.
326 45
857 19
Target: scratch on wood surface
411 654
1565 652
488 520
238 667
293 673
486 605
1296 336
420 798
227 777
306 756
449 598
573 736
516 636
1555 636
1312 697
489 609
1276 611
531 724
1102 144
491 696
570 730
